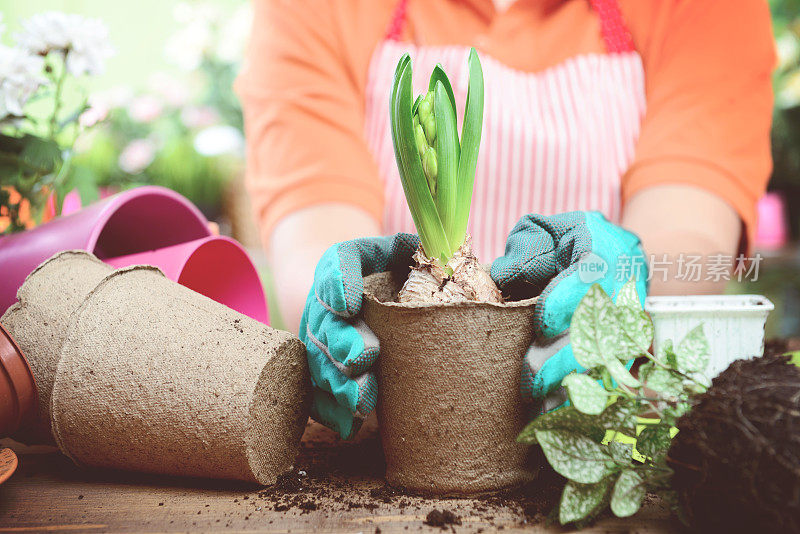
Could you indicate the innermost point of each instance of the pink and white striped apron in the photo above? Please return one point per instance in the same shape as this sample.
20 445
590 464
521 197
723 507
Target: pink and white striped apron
553 141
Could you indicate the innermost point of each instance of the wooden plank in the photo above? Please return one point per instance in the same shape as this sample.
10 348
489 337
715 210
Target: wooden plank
342 492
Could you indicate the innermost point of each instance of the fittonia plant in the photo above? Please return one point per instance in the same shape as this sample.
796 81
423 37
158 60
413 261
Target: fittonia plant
437 170
590 441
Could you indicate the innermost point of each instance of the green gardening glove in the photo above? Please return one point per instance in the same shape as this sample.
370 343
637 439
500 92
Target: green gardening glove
340 347
559 258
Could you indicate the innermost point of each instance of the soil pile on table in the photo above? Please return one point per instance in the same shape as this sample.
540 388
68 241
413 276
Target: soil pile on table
442 518
335 477
737 455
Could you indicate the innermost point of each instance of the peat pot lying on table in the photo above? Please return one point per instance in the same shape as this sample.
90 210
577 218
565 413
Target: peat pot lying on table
147 375
449 400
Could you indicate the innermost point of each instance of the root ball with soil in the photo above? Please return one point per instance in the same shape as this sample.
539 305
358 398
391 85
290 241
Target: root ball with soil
736 458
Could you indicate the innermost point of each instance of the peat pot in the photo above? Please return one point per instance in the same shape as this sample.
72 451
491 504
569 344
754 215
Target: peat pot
144 374
449 401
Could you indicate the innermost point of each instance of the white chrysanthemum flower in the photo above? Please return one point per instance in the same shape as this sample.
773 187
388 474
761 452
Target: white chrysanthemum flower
219 140
20 77
789 95
788 50
234 33
83 40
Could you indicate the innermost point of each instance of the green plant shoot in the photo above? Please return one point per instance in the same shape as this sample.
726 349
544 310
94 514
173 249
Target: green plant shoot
436 169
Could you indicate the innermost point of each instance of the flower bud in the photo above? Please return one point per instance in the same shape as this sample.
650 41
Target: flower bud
430 167
421 141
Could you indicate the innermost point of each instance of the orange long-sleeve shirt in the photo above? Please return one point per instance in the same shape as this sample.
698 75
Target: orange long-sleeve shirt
707 68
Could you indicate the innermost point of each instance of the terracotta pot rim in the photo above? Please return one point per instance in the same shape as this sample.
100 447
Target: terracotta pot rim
23 386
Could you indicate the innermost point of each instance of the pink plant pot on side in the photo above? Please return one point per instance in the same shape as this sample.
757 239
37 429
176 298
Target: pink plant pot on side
217 267
772 227
141 219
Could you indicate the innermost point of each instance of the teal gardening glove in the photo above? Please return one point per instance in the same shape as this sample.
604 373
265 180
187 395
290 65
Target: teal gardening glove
340 347
560 257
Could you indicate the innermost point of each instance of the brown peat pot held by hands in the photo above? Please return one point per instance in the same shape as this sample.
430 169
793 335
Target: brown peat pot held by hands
449 400
152 376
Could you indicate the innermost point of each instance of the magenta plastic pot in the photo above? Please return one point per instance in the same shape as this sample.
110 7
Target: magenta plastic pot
217 267
772 229
132 221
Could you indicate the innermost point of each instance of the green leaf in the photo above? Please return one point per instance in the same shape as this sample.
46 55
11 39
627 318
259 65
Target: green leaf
580 500
621 417
621 452
439 75
673 413
597 336
628 297
693 353
447 153
416 105
585 394
44 154
574 456
665 381
470 144
566 418
415 185
654 440
594 328
626 499
638 329
669 354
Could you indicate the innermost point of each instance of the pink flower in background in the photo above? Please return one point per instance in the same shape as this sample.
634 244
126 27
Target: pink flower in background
145 108
137 155
174 91
97 112
199 116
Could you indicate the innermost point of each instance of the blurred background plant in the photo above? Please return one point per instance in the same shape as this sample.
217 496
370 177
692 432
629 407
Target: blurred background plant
52 54
178 125
164 113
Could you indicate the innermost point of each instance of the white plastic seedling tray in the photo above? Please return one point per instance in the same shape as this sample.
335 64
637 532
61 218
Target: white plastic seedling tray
733 324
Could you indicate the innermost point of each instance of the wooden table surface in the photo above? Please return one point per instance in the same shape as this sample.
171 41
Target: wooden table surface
337 487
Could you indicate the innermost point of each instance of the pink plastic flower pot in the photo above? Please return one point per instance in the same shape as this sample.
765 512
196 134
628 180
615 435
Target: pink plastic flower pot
137 220
217 267
772 228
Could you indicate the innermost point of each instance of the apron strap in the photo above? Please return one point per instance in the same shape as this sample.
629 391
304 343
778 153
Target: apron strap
612 25
398 22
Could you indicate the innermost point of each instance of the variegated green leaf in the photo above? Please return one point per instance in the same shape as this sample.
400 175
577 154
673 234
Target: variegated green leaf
566 418
621 417
597 337
665 381
654 440
594 328
580 500
628 493
574 456
692 354
585 394
628 297
621 452
638 329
